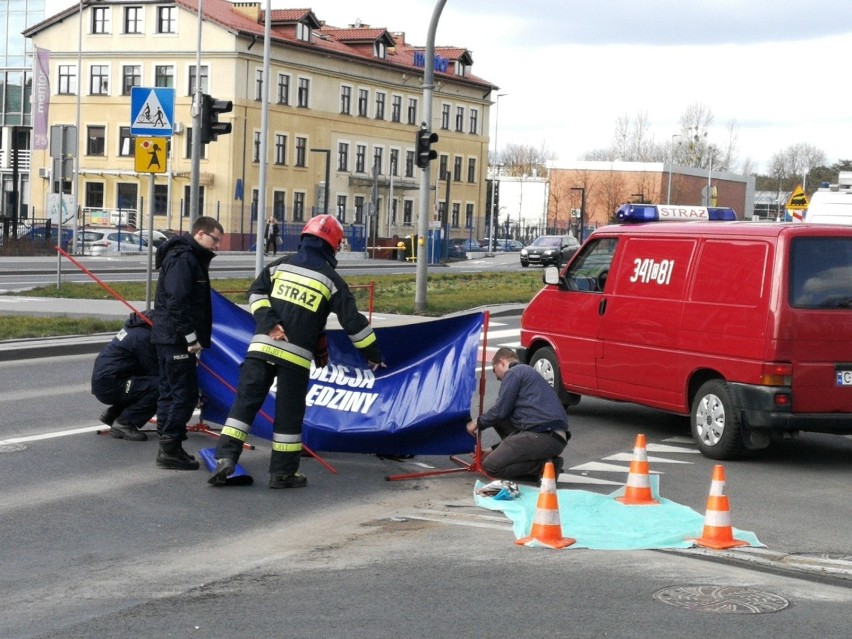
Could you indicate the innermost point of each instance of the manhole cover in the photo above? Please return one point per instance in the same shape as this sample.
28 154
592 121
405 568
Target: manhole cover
732 600
12 448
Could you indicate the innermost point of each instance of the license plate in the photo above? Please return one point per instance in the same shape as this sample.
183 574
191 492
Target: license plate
844 375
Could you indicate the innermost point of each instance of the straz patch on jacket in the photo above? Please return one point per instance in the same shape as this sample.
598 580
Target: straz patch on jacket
297 293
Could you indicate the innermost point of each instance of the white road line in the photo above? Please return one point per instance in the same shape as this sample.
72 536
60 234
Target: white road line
658 460
509 332
566 478
662 448
60 433
608 468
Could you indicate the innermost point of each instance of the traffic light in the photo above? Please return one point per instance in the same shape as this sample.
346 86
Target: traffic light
211 128
425 153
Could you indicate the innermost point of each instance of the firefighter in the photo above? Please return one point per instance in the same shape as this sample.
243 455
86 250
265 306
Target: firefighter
126 378
291 300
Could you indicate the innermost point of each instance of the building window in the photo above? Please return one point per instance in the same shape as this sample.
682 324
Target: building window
412 110
460 119
99 79
407 208
380 49
161 199
457 168
343 156
298 206
394 162
100 19
341 208
471 170
468 216
95 140
345 100
131 76
67 79
255 154
301 152
283 88
133 20
303 32
279 205
360 158
359 209
304 92
445 116
164 76
380 105
363 102
378 160
258 84
474 124
409 164
396 108
454 219
125 141
166 19
95 195
280 149
394 207
205 81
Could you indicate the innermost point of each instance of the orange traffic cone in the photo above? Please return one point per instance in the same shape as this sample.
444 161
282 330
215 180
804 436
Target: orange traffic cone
638 490
547 526
718 532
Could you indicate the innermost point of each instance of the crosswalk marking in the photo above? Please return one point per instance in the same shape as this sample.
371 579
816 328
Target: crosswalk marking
629 457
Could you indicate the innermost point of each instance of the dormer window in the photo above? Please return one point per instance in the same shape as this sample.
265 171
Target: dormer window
303 32
380 49
462 69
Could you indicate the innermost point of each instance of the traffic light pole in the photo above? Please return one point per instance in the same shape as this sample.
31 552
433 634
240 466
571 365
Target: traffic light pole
423 212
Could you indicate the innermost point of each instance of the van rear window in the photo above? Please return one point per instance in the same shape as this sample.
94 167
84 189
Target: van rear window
821 272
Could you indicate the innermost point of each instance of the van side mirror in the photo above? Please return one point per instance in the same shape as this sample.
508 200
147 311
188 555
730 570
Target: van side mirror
551 275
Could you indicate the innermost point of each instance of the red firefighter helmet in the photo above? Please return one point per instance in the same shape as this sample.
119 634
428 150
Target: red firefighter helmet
327 228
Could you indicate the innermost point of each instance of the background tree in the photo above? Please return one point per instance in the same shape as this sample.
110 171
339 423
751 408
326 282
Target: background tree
523 159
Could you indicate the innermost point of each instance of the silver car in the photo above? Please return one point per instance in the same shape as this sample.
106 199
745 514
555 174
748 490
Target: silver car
101 241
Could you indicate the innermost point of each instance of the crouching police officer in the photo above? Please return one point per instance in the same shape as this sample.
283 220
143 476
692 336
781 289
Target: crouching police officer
126 377
291 300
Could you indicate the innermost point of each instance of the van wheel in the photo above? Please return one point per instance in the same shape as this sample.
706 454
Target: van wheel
545 364
715 424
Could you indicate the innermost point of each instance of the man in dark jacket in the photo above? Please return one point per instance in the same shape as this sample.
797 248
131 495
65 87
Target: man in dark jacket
529 418
183 324
291 300
126 378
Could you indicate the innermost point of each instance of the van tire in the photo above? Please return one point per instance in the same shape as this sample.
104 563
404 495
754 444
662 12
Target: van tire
545 364
716 426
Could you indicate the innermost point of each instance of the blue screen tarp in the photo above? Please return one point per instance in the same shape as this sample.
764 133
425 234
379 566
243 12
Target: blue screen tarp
418 405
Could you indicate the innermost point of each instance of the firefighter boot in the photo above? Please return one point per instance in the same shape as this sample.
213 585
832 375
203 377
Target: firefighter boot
122 430
174 457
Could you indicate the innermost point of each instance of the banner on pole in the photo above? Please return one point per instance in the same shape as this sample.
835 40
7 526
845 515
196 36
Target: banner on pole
418 405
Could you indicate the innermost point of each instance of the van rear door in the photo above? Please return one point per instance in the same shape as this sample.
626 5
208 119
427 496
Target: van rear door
816 330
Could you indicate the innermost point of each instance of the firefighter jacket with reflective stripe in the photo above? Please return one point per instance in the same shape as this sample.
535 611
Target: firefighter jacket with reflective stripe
298 292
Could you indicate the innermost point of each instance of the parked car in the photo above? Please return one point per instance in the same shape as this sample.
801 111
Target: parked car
460 247
159 236
40 235
508 245
97 241
553 250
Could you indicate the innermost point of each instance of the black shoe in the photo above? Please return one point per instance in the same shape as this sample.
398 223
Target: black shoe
224 467
296 480
122 430
110 415
173 457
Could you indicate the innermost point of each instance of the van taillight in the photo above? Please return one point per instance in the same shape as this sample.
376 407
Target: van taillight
776 374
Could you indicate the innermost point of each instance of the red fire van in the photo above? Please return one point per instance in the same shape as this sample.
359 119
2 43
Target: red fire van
745 327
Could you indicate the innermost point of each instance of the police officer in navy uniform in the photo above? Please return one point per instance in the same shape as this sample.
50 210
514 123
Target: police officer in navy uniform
291 301
126 377
183 324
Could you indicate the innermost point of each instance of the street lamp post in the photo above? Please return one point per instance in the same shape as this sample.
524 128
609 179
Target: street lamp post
326 190
671 160
494 177
582 191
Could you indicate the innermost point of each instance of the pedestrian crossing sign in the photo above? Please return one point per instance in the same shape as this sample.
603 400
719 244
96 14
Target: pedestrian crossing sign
150 155
152 111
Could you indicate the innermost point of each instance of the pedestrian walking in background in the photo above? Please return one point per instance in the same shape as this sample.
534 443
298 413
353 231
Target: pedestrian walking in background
271 234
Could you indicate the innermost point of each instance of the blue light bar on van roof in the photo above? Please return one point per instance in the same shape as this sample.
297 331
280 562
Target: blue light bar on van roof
632 213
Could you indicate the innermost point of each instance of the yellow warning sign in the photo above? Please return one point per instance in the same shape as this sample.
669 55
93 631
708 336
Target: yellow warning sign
798 200
150 155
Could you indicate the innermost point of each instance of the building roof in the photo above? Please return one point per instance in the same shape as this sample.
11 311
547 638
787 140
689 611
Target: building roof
245 18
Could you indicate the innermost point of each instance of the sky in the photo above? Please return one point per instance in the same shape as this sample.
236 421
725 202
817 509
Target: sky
570 69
